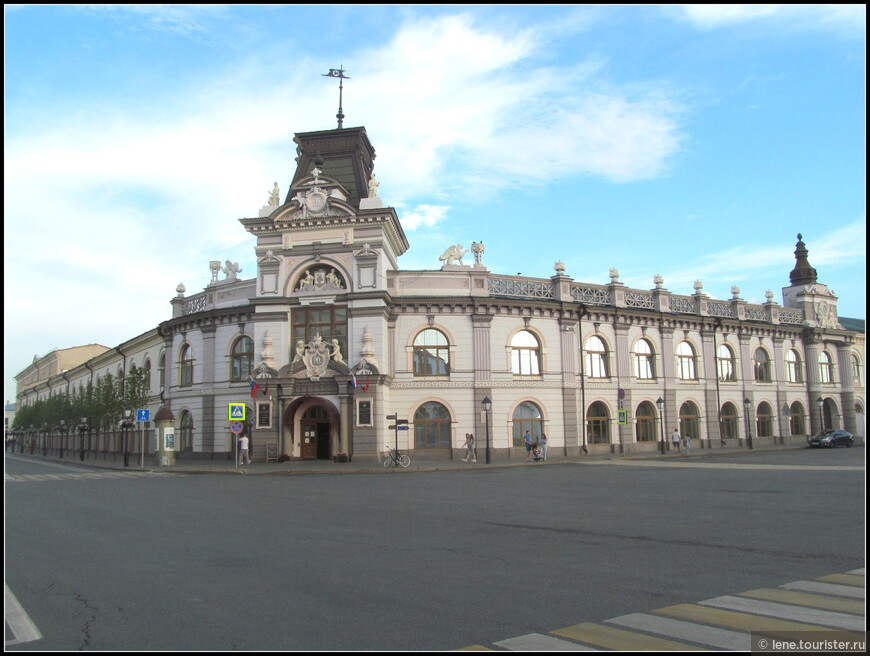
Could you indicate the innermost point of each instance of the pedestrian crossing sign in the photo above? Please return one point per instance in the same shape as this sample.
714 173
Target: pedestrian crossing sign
236 412
623 416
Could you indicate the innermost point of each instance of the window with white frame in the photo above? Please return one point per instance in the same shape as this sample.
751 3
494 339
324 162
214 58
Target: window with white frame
596 358
761 365
826 367
793 368
525 354
726 363
185 366
431 353
686 361
644 363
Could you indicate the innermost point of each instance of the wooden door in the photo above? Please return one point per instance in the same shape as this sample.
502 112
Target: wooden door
308 449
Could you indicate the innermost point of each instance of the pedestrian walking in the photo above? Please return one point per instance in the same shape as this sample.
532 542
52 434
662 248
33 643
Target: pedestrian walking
675 438
469 448
543 443
244 456
687 442
527 442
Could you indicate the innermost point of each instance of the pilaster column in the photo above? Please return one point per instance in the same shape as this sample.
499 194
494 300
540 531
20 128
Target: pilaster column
847 395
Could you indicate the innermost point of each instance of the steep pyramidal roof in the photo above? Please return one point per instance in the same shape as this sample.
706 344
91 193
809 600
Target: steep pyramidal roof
344 154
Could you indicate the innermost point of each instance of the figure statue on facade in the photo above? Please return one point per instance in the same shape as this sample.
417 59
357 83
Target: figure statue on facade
478 249
300 351
231 269
333 279
452 255
336 352
373 186
273 197
215 267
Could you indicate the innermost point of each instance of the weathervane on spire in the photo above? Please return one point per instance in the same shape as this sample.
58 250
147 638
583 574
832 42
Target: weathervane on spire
339 73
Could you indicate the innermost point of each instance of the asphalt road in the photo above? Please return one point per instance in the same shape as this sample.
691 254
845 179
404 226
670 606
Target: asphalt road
426 561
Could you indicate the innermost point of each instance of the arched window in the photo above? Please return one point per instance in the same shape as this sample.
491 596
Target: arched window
725 363
793 369
525 354
762 366
797 419
527 417
432 426
161 368
728 421
686 361
856 370
830 418
645 428
242 359
644 364
826 367
764 420
431 353
598 424
185 369
147 368
185 438
690 423
596 358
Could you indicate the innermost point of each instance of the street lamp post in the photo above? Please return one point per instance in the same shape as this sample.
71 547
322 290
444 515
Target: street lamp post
45 432
62 431
821 403
487 406
661 404
126 425
83 426
747 405
31 438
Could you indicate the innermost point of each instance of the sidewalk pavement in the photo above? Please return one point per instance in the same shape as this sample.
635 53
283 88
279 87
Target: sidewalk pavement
221 465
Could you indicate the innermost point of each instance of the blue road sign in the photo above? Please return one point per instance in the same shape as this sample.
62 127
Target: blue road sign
143 415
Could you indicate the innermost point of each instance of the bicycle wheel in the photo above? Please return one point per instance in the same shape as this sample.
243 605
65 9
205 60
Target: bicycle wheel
404 460
388 461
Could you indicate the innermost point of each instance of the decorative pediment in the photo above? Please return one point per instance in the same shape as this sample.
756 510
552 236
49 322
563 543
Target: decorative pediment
321 279
265 371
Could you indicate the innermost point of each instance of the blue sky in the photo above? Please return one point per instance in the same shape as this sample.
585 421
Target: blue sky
689 141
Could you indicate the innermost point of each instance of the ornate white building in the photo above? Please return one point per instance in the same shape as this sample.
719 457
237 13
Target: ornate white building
337 338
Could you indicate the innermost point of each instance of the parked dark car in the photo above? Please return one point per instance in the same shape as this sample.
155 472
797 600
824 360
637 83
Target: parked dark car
831 437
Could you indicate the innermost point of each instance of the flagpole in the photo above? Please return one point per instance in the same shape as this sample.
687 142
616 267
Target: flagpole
339 73
340 115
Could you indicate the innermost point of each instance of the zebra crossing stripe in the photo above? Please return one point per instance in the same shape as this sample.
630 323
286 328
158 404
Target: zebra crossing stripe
734 620
787 612
688 631
826 588
618 639
843 579
540 642
799 598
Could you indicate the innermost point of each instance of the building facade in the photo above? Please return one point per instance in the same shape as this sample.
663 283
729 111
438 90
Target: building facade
331 337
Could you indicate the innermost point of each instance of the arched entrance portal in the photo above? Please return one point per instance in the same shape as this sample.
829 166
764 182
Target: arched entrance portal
314 426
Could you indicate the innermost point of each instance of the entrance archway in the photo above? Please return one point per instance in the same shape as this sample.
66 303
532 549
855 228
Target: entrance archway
314 426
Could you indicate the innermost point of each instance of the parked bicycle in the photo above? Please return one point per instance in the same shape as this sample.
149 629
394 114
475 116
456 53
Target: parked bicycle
395 459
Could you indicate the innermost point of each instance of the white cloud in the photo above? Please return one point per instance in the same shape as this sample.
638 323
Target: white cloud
423 215
840 18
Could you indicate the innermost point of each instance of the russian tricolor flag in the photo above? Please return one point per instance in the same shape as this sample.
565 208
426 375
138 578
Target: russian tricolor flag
254 387
353 381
